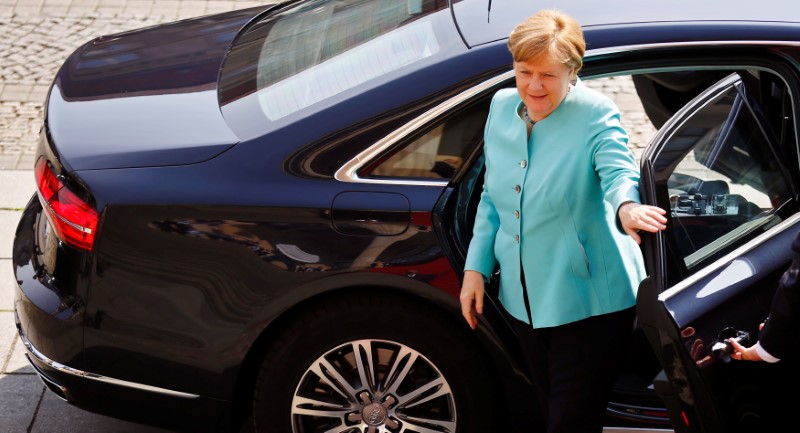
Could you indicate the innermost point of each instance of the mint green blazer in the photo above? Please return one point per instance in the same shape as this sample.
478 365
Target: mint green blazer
549 204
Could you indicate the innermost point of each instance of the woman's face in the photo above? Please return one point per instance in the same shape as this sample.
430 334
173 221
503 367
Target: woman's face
542 84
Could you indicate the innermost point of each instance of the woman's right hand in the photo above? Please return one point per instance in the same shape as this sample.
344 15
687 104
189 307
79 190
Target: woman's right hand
472 297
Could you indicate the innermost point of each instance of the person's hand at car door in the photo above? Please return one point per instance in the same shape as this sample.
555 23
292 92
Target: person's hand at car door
742 353
471 297
634 217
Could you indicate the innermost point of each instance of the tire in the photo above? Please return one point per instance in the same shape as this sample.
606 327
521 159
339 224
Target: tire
372 364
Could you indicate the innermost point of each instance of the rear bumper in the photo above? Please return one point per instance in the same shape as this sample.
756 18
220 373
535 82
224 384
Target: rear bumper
50 318
41 363
121 399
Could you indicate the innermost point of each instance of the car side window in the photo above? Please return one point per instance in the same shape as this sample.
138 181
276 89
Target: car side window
439 151
724 178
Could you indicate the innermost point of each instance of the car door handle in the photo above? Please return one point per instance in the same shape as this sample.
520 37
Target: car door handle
722 348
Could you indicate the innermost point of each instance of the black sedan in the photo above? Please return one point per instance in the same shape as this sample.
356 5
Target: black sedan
257 220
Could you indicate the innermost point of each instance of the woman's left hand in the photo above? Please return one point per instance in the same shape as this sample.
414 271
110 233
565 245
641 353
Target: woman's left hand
635 217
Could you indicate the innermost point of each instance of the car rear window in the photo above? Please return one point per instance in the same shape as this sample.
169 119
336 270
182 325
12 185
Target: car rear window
316 50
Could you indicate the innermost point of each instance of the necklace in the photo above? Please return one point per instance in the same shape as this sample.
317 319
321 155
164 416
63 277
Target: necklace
527 116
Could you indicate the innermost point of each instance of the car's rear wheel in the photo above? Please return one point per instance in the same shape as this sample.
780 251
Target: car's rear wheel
372 364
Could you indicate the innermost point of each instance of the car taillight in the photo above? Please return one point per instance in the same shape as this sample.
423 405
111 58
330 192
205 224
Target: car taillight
73 220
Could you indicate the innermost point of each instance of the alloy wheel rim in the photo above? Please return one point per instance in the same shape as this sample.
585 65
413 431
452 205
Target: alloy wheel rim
373 386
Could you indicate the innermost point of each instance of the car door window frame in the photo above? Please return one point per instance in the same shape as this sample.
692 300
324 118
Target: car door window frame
654 151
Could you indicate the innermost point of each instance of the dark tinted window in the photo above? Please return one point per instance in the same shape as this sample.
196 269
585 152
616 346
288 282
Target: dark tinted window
437 153
724 176
311 52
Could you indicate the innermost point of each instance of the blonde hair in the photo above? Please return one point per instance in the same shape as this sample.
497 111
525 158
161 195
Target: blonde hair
548 32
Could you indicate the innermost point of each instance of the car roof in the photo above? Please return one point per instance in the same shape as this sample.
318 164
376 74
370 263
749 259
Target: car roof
484 21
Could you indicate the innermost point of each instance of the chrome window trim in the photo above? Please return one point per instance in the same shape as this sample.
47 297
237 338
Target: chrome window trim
725 260
96 377
349 171
623 48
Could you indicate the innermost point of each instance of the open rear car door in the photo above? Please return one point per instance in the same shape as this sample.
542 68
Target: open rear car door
725 167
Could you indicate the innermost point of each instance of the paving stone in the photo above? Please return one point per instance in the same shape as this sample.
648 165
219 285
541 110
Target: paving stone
7 284
8 162
17 361
219 6
8 226
15 199
16 92
85 3
25 161
8 330
138 10
27 9
19 398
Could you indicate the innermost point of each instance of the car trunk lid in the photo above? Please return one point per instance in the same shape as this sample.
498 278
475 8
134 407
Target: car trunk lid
147 97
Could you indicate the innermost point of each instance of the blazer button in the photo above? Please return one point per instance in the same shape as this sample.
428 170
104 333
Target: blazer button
523 163
516 214
516 238
517 188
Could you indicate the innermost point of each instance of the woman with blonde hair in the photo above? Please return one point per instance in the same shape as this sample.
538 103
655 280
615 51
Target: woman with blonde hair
560 215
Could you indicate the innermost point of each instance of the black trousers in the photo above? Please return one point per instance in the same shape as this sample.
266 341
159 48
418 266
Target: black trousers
574 367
